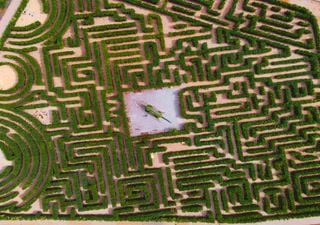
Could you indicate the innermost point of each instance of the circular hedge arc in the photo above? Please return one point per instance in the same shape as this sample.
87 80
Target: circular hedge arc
23 141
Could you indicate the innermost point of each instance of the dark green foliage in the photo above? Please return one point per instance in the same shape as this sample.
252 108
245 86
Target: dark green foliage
3 4
248 92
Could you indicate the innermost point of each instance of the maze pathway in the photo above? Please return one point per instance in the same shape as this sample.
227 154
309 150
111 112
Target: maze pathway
245 75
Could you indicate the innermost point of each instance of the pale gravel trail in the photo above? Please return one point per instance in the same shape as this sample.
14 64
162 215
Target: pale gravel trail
8 15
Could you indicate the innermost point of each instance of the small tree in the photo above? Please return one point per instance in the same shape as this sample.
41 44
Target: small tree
3 3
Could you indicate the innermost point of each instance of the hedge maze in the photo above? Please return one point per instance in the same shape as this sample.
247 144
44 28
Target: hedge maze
248 78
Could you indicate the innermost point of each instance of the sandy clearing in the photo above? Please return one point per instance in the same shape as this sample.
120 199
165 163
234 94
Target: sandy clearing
164 99
8 77
32 13
44 115
3 161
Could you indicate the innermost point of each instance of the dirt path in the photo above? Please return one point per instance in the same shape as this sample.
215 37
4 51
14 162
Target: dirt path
8 15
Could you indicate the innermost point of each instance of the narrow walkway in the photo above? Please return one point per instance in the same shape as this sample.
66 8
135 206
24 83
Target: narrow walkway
8 15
